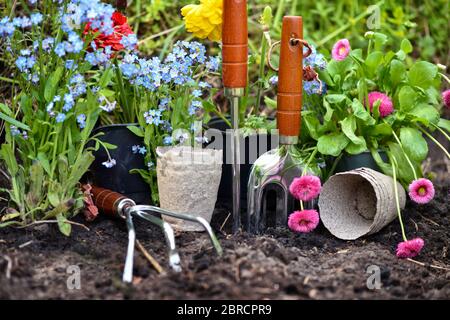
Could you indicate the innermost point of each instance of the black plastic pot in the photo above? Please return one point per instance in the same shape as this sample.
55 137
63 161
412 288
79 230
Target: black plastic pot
118 178
365 159
225 188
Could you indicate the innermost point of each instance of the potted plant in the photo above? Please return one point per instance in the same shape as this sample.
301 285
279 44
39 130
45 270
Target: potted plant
376 102
52 110
380 101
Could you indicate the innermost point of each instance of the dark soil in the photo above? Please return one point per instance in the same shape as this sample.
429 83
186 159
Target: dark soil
34 262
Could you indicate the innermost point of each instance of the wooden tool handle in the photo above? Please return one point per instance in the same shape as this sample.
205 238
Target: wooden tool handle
106 200
290 78
234 44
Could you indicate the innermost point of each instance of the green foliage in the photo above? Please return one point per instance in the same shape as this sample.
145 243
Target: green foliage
342 122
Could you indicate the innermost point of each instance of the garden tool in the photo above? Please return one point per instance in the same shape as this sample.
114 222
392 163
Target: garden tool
234 73
116 205
274 171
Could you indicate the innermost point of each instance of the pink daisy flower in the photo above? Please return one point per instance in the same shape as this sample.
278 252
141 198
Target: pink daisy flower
446 98
303 221
386 106
305 188
341 49
421 191
409 248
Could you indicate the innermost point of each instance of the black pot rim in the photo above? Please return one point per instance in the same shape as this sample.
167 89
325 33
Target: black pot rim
114 125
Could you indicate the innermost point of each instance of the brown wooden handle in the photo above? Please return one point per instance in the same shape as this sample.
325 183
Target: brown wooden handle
290 78
106 200
234 44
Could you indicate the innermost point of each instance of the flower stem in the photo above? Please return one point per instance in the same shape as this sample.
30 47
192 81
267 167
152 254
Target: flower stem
397 202
441 131
435 141
262 65
313 154
445 77
301 205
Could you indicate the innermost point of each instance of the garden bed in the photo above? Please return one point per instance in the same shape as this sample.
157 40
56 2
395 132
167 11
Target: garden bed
278 265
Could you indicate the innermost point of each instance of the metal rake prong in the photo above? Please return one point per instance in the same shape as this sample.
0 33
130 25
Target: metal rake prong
205 224
128 270
174 257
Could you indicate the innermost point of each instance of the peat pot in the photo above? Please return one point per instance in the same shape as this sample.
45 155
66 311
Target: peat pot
251 148
188 181
118 178
359 202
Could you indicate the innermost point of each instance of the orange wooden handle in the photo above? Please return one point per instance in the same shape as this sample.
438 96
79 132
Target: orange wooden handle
106 200
290 78
234 44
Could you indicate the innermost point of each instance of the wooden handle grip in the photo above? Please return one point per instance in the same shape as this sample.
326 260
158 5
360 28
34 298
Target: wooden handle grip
234 44
106 200
290 78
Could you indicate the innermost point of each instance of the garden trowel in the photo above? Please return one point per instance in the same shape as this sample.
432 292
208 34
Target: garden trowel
273 172
234 73
116 205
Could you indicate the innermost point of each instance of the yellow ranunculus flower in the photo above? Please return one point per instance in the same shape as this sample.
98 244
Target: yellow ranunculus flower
204 20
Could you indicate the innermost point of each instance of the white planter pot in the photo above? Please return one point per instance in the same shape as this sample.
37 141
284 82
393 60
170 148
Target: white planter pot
188 182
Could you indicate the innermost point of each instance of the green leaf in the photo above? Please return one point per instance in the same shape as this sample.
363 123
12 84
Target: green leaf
413 143
422 74
8 156
332 144
353 148
376 109
106 78
361 113
270 103
79 168
44 162
407 98
53 198
136 130
406 46
36 184
52 84
385 167
374 60
339 68
5 109
109 146
444 124
425 114
397 72
335 98
380 40
382 129
405 173
14 122
312 124
329 114
63 225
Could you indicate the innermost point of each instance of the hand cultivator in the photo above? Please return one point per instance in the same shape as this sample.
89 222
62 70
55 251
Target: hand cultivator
116 205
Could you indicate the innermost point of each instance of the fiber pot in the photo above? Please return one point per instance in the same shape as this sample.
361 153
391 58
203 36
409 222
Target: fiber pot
118 178
351 162
188 181
225 190
359 202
